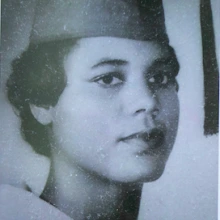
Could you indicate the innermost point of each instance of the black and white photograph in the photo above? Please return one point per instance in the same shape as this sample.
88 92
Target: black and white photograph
109 109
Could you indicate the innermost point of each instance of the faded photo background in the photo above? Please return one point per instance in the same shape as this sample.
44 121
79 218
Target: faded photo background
189 187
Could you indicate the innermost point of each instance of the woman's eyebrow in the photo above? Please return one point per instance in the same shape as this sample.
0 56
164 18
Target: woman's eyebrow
168 61
109 61
163 61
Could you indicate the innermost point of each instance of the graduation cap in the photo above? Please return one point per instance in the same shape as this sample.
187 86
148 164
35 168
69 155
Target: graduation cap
64 19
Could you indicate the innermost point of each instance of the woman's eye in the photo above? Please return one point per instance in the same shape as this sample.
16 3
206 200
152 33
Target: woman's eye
109 80
159 79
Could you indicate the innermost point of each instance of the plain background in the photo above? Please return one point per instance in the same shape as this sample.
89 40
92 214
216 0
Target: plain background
188 190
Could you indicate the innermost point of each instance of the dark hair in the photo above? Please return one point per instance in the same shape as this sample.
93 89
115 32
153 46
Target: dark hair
38 78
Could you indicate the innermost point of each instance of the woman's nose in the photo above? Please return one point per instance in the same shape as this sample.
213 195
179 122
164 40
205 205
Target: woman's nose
141 100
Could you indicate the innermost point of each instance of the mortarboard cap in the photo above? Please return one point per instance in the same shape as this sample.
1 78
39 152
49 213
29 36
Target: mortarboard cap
65 19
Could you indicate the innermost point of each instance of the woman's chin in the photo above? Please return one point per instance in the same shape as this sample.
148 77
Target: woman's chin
136 178
134 174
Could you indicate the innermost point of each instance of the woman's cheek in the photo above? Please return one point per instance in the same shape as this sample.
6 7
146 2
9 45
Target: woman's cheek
169 113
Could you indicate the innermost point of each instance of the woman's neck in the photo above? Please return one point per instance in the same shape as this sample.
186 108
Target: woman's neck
83 195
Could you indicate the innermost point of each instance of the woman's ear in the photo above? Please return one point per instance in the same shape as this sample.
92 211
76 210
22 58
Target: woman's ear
41 114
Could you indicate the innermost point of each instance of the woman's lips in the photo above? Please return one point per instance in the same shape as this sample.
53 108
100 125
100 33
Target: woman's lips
146 142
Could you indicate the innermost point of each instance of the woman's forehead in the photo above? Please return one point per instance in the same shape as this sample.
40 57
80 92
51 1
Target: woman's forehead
94 48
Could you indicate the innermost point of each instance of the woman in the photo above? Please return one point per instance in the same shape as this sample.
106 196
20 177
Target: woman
96 92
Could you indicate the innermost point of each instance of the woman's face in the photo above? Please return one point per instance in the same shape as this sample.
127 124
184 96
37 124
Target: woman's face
118 115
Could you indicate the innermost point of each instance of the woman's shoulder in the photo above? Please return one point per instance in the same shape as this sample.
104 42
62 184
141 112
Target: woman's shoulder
17 203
